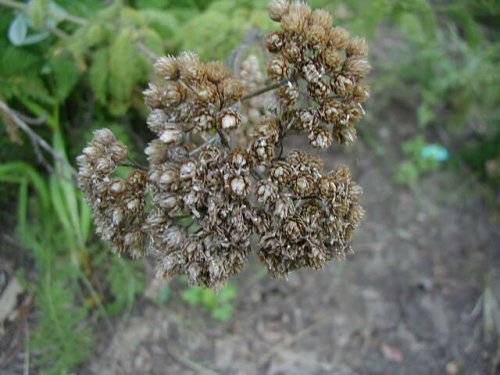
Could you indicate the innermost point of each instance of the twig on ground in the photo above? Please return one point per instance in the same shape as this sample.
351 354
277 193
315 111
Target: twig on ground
290 340
200 369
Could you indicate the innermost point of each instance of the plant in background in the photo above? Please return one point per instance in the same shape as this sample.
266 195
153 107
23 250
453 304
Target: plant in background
218 305
421 158
218 188
55 225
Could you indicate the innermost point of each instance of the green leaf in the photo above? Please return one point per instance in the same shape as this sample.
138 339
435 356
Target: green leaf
66 76
123 72
223 312
227 294
98 75
208 298
163 295
18 30
192 295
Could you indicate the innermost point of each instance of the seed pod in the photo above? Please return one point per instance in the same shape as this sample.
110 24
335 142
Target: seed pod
331 58
172 95
231 90
167 67
303 185
306 120
217 72
316 36
277 9
206 92
320 138
356 66
169 179
117 186
266 191
228 120
263 150
357 47
204 121
191 68
289 94
187 170
154 96
338 37
294 21
239 161
344 134
283 207
294 229
355 215
238 186
274 41
322 18
280 173
171 134
210 156
278 69
326 186
292 52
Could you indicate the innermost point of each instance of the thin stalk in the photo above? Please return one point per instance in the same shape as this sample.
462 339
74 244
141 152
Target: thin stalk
263 90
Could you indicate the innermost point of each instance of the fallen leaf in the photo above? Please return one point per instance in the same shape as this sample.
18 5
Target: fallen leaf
8 300
392 354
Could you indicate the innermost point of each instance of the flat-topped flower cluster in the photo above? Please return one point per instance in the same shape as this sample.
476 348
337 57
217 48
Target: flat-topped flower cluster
218 186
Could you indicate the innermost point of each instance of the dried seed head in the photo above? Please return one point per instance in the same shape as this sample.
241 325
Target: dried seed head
303 218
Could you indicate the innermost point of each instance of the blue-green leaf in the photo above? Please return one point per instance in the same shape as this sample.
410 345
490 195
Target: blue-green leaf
18 30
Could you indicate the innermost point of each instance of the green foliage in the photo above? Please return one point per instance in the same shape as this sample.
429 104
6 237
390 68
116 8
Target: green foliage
216 36
67 263
421 158
218 305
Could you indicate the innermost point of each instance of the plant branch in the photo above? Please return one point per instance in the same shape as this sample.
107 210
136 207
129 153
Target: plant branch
274 86
151 55
36 140
201 147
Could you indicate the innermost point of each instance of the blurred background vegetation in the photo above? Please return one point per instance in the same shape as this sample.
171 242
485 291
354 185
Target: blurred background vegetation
68 67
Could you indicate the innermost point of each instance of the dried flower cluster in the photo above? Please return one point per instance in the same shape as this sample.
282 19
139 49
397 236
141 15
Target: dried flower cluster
217 186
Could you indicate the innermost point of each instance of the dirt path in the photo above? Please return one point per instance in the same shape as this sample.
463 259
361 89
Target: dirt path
400 305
